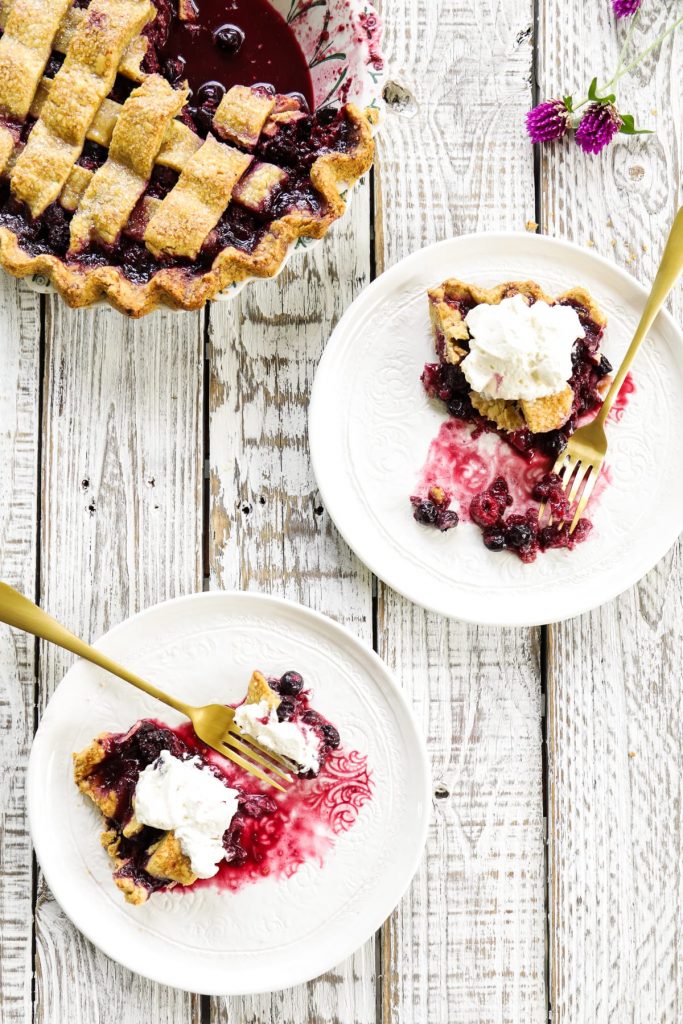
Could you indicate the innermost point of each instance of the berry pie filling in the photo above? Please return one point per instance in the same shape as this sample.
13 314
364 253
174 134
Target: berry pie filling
519 367
179 815
197 136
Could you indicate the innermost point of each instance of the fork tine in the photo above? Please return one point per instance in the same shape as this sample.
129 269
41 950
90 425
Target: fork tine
249 767
581 470
560 462
253 753
289 766
567 475
587 491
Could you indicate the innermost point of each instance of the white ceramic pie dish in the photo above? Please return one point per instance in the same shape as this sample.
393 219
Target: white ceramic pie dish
276 932
371 425
341 40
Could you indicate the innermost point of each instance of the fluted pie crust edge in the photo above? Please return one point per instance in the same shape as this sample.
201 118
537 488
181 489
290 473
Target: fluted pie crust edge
179 287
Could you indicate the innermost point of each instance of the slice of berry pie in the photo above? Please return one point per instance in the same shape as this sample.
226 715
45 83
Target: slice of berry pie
126 175
173 812
516 357
515 362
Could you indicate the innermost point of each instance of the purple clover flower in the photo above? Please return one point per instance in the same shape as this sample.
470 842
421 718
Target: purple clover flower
625 8
548 121
597 127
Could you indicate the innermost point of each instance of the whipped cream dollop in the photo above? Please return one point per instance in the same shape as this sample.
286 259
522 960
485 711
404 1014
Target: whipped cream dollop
186 797
519 351
295 740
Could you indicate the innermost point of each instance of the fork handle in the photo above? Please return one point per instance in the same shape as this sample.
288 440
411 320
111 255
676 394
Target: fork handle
669 271
16 610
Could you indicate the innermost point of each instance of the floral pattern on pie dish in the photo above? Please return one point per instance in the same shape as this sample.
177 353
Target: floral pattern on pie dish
163 187
169 802
502 493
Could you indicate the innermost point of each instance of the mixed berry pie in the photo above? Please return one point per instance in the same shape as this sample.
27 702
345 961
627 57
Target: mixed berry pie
175 813
516 363
143 160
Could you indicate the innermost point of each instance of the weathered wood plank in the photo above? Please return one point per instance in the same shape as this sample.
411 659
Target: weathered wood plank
122 484
268 531
615 686
467 943
19 425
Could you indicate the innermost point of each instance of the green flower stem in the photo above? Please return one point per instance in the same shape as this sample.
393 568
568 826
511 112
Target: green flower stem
620 72
641 56
627 40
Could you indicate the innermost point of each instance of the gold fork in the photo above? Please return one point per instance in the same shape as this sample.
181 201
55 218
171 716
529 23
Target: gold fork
214 724
580 463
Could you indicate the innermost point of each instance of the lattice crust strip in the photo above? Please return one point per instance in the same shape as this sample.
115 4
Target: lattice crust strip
179 145
131 62
192 209
25 49
116 187
133 56
79 88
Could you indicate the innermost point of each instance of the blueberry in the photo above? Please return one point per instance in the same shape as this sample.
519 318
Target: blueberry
210 94
327 115
229 38
203 118
57 228
174 69
312 718
459 407
518 535
425 512
604 367
291 684
446 520
553 443
494 538
286 709
455 379
330 735
522 440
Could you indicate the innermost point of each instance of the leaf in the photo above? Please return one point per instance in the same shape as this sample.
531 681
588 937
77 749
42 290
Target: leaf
593 94
569 103
628 126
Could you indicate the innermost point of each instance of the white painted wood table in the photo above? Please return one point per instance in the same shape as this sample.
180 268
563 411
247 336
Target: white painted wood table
143 461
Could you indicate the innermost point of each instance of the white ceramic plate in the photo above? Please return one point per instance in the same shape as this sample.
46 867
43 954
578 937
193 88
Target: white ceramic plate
371 425
273 933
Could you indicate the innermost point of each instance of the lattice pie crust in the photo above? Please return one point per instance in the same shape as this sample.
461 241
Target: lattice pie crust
100 42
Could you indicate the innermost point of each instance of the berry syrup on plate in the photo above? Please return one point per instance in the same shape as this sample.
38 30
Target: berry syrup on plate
498 481
274 833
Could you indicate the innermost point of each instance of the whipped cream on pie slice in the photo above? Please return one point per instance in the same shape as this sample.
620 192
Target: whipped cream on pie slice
519 351
294 740
187 798
258 718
